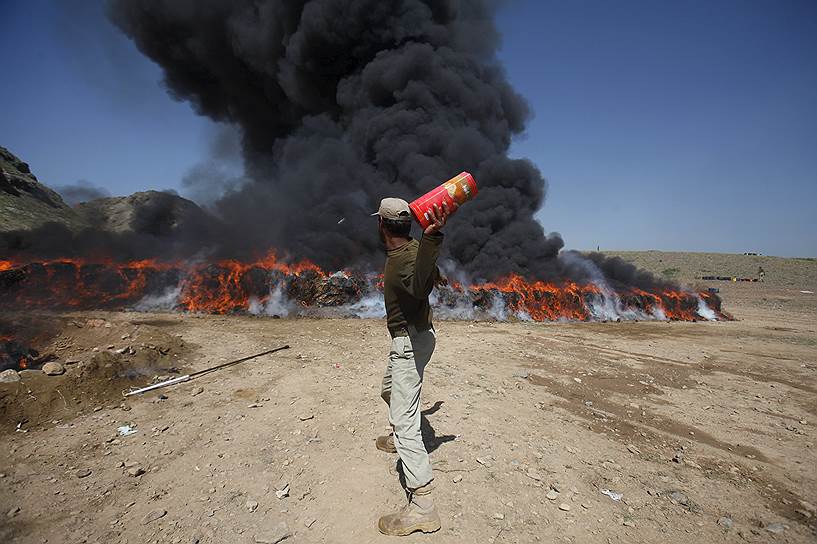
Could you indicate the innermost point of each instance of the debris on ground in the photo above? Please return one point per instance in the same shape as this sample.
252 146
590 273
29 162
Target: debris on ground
612 494
126 430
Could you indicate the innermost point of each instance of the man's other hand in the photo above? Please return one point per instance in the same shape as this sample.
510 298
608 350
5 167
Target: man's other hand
439 217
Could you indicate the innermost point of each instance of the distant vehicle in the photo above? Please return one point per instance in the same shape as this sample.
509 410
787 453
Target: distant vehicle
754 254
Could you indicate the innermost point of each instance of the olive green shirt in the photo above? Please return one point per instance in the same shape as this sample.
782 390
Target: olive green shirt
408 279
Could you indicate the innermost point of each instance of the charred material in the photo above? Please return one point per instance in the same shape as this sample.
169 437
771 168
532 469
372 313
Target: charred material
229 287
16 356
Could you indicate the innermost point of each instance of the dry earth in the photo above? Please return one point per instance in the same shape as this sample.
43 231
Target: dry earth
512 411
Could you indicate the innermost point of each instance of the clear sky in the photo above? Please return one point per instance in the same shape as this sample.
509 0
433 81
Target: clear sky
676 125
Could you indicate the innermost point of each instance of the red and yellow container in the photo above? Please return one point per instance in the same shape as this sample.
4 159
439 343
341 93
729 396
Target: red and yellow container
457 190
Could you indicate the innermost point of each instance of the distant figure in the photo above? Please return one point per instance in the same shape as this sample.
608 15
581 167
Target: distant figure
761 273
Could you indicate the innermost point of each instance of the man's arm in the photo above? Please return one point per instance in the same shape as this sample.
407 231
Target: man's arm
425 266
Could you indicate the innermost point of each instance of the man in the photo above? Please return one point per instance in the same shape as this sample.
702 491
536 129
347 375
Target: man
410 274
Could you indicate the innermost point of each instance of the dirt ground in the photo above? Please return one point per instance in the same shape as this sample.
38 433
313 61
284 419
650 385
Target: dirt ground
707 430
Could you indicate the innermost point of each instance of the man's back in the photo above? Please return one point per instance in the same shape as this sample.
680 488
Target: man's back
407 281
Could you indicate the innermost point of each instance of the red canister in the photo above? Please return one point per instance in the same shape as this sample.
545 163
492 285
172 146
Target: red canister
459 189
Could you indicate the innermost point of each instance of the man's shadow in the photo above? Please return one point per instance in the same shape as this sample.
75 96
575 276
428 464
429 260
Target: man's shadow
430 438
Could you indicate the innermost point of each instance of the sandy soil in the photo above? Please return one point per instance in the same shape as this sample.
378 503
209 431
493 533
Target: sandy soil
511 411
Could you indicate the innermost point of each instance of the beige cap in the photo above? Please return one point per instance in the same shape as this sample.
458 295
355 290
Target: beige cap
395 209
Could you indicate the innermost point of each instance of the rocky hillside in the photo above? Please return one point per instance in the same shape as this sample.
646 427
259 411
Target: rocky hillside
148 212
25 203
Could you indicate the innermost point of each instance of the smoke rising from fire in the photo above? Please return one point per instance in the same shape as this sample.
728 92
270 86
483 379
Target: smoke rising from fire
341 103
337 104
81 191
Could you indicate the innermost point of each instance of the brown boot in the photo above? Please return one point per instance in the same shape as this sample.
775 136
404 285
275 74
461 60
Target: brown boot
418 515
386 443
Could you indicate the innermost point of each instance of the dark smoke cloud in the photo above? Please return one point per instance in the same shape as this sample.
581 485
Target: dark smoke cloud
333 105
81 191
341 103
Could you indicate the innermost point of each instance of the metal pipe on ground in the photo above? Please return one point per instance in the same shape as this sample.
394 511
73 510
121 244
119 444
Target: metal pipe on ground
188 377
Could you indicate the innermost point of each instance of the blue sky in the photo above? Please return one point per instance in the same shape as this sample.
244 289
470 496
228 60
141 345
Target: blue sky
684 125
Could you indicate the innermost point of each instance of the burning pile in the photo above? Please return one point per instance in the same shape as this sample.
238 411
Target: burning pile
269 286
336 105
16 356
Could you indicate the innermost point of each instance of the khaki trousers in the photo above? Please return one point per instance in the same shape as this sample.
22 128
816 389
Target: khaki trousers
402 384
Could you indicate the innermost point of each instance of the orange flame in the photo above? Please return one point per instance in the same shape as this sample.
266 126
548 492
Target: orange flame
228 286
227 291
543 301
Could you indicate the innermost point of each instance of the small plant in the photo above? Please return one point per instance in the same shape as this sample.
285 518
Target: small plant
670 272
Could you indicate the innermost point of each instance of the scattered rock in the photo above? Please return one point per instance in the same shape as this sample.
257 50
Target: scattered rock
725 522
13 512
457 479
678 457
552 495
533 475
776 527
309 522
283 492
632 449
135 471
53 369
565 507
83 473
72 361
483 462
679 497
251 505
153 516
9 376
277 534
499 516
197 391
523 375
254 405
306 417
628 523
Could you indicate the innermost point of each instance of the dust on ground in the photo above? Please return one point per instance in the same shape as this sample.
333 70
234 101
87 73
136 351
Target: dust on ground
705 429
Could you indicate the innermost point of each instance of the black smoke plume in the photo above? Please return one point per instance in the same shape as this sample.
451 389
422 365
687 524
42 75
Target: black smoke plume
341 103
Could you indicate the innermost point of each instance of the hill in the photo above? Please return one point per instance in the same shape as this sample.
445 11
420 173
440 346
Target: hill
25 203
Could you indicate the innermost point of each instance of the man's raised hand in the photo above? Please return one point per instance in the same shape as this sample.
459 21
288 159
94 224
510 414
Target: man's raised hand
439 217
